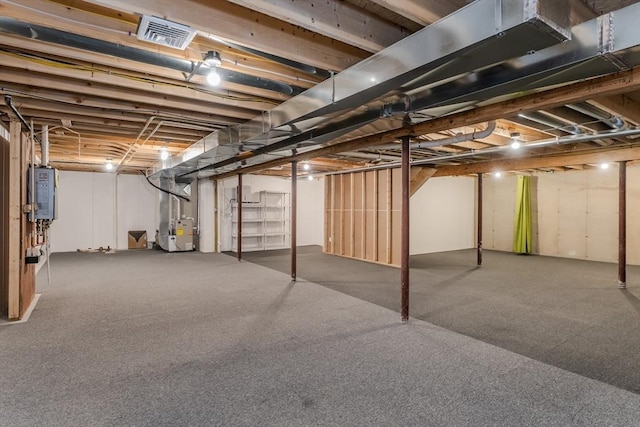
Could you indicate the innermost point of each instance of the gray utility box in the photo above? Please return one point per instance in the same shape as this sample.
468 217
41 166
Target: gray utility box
45 200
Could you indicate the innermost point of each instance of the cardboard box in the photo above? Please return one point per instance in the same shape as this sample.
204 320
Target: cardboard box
137 239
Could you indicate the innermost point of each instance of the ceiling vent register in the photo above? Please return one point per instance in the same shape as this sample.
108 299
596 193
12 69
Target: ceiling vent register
165 33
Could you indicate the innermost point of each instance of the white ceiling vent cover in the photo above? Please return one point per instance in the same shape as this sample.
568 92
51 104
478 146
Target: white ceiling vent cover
165 33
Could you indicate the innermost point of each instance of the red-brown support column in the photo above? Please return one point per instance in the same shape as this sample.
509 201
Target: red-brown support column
239 252
479 219
404 253
622 225
294 217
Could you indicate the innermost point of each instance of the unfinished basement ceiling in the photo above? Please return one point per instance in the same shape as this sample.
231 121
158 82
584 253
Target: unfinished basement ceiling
79 67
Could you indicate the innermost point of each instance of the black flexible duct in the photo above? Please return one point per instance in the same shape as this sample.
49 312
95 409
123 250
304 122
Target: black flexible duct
9 102
38 32
163 190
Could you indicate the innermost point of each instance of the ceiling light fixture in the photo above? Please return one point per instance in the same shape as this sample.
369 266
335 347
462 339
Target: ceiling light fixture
515 140
306 166
310 177
109 165
604 165
213 78
213 60
497 174
164 154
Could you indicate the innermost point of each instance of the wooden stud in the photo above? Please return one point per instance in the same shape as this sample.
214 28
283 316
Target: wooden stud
333 234
374 232
352 215
15 167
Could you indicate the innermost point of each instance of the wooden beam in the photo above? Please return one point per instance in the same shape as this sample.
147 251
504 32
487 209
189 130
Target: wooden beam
610 154
424 12
74 104
336 20
603 86
256 66
619 105
171 97
581 12
249 28
15 217
419 175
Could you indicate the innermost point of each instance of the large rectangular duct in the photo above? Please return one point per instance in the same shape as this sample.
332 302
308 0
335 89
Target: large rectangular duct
480 35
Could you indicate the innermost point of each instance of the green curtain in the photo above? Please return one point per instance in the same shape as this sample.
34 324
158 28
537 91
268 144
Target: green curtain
522 231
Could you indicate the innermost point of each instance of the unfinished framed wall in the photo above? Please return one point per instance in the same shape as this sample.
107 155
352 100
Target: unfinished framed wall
362 215
17 278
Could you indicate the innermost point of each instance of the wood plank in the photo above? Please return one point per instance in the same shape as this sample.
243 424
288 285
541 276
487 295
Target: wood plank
352 215
419 175
424 12
396 216
374 231
389 218
82 89
336 20
333 214
249 28
122 83
612 154
619 105
5 137
603 86
27 271
15 213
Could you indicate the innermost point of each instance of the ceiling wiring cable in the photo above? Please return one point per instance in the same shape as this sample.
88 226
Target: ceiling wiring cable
67 65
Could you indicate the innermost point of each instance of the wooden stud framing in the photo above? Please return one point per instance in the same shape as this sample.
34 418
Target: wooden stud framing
375 215
352 225
15 167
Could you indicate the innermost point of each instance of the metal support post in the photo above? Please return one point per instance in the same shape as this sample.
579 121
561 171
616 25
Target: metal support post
239 223
294 217
622 225
479 233
404 253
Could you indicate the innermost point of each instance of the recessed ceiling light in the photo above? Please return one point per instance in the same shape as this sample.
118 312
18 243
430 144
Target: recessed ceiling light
604 165
497 174
306 166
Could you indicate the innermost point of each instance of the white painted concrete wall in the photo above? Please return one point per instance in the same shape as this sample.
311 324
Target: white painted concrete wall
206 216
575 214
310 206
98 209
442 216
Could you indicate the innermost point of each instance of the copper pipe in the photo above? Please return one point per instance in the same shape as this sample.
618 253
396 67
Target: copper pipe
622 225
479 261
404 253
294 217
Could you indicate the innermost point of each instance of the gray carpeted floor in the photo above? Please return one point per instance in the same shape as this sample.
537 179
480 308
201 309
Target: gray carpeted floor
567 313
151 338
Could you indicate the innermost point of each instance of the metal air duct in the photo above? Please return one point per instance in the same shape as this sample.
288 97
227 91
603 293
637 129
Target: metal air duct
478 36
491 126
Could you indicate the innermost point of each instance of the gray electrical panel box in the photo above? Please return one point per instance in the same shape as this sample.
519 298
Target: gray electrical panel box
44 194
